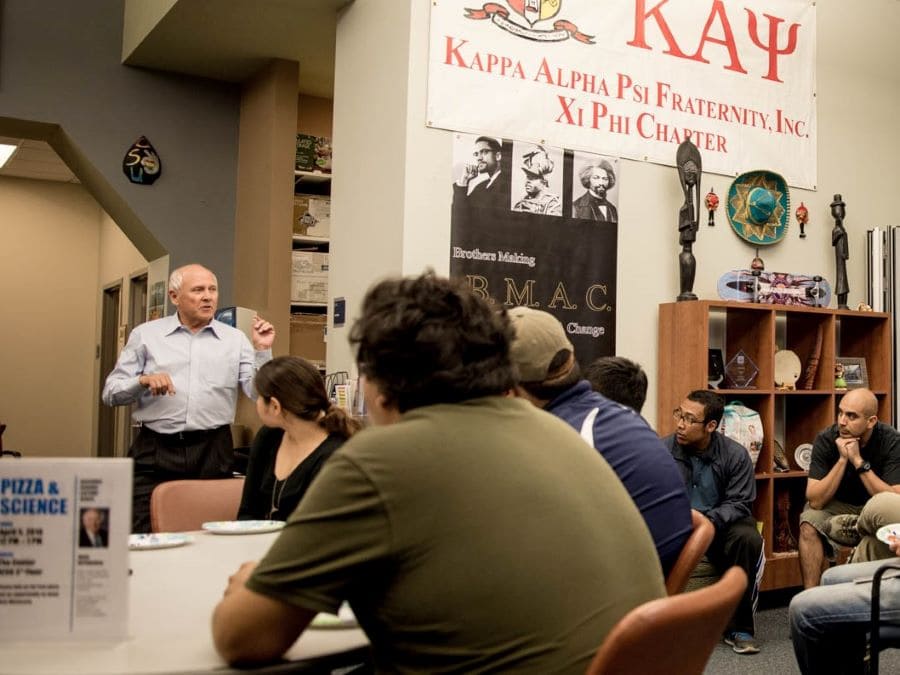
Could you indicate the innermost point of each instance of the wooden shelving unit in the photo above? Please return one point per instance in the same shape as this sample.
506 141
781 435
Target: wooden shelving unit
687 330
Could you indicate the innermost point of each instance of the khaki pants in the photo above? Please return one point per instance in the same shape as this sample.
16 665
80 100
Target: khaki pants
882 509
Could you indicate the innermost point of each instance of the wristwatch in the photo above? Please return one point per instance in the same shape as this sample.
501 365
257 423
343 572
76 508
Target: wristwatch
862 468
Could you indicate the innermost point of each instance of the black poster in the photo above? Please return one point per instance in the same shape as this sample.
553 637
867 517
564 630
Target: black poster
537 226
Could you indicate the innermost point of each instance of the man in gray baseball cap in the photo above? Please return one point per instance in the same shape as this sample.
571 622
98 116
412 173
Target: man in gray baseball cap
550 378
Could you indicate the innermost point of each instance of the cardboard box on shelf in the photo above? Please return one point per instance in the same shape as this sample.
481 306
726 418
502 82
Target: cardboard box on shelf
308 337
309 276
312 215
313 153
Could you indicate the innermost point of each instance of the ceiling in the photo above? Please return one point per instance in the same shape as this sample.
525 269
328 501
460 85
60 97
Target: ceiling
35 160
228 40
232 39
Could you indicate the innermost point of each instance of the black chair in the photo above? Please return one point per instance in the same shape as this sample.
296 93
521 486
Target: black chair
6 453
881 636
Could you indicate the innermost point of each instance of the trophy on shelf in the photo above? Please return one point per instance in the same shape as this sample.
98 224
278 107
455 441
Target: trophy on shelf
740 372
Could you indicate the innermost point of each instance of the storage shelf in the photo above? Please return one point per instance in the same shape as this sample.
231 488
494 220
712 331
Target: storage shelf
311 177
688 330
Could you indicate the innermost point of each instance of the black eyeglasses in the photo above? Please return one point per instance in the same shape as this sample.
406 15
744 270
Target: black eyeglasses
687 418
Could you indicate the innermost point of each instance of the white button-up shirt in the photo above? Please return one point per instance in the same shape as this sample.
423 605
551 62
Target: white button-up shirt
206 369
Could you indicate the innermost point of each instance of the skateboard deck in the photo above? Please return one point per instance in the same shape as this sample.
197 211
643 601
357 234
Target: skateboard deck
775 288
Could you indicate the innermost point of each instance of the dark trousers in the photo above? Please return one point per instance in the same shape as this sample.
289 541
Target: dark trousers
739 544
162 457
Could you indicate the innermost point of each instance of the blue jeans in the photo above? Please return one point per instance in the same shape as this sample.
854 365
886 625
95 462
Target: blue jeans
829 623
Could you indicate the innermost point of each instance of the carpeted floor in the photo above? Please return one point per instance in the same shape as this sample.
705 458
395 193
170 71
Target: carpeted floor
776 652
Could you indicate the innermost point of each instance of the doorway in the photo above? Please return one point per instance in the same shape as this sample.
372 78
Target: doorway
137 314
109 351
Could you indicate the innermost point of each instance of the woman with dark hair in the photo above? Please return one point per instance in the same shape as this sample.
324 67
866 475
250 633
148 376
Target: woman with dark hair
302 428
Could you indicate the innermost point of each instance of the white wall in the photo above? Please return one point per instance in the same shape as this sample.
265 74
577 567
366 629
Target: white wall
379 226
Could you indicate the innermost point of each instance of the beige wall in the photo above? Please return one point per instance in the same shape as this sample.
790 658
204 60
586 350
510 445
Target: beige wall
314 116
410 229
58 249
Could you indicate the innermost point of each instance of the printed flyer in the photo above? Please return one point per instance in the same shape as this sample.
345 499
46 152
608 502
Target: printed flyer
64 526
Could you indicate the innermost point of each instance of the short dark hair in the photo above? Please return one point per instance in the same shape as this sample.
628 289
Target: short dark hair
713 404
550 389
619 379
585 174
426 340
492 142
300 389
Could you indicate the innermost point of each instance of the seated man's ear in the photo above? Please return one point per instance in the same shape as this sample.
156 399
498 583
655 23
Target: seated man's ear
711 426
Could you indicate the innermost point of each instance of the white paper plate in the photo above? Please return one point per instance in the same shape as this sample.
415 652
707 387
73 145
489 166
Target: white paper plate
892 530
803 455
344 619
144 542
242 526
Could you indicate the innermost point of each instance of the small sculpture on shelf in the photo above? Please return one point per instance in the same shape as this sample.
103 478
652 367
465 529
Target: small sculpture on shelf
841 252
689 170
802 214
712 203
784 539
840 384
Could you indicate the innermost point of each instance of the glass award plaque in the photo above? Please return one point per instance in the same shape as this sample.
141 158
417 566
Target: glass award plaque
740 372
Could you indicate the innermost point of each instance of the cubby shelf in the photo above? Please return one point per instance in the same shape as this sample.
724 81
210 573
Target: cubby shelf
687 330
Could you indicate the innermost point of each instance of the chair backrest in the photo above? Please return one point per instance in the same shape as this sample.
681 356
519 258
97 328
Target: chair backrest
694 549
880 636
184 505
673 635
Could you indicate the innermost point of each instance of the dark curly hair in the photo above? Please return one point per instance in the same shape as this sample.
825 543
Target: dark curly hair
426 340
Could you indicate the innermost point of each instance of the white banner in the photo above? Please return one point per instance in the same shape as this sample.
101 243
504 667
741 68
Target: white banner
632 77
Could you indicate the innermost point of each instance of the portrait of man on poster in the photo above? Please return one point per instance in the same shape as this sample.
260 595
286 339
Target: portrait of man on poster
597 175
537 189
483 180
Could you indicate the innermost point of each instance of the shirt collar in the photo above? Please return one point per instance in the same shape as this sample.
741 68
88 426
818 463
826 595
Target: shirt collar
173 325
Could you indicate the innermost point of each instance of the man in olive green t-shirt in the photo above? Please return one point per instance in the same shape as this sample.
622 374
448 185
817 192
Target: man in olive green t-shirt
469 531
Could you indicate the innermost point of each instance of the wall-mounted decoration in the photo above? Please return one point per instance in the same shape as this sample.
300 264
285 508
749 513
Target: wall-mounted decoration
758 207
537 225
802 218
712 203
142 164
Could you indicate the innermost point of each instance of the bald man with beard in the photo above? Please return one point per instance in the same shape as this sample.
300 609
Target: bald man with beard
854 484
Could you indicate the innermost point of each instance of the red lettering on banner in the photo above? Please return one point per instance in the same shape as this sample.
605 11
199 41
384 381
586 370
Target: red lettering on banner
718 10
772 45
649 128
640 17
717 13
566 104
570 79
453 57
484 63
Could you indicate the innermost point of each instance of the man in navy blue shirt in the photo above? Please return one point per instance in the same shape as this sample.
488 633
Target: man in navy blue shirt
550 378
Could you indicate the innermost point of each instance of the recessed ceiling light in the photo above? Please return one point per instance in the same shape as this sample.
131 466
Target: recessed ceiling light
6 151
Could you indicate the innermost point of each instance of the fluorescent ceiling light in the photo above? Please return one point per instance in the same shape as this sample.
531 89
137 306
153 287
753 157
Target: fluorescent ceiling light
6 151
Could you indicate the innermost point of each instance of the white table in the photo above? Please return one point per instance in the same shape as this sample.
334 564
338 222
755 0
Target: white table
173 593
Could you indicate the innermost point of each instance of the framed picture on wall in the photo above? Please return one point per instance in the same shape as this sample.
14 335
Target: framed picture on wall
854 371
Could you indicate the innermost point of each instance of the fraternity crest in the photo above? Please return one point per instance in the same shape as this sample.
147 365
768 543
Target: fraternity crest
532 11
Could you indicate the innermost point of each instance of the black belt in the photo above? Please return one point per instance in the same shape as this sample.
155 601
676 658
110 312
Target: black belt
194 436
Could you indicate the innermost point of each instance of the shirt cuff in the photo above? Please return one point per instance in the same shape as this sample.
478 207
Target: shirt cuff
262 356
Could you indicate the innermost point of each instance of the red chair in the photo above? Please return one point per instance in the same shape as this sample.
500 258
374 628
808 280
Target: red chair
693 550
184 505
673 635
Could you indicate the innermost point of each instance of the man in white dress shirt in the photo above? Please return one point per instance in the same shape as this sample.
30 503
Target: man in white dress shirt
183 373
